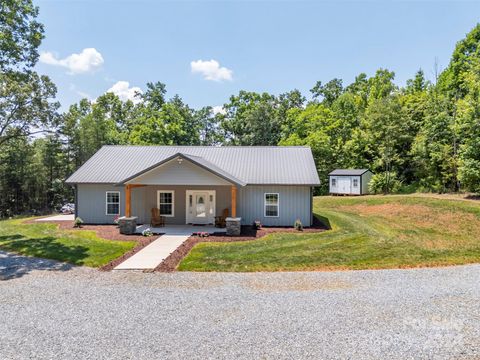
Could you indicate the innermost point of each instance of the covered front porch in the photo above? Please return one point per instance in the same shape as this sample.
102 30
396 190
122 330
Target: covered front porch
182 190
180 204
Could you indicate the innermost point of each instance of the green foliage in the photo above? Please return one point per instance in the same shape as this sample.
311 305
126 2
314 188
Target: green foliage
78 222
20 35
384 183
297 225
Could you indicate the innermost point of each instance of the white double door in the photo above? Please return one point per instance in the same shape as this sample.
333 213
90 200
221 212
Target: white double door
200 206
344 185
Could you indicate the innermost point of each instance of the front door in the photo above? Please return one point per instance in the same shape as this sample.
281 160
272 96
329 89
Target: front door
200 207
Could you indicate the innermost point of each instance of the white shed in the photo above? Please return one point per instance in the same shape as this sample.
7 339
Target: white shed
349 181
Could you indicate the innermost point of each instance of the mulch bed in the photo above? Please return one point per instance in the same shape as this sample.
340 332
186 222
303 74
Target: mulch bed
248 233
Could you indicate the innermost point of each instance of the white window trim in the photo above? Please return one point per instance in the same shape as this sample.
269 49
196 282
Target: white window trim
106 202
173 201
334 182
355 182
265 205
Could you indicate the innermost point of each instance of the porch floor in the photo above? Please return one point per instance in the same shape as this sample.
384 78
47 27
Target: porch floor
180 229
152 255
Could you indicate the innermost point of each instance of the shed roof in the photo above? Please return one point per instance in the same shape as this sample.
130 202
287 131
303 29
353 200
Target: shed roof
348 172
280 165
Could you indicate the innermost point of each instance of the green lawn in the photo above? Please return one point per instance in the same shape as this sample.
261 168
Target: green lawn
47 241
369 232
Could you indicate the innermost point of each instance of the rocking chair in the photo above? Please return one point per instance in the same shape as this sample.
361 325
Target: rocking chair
157 219
220 220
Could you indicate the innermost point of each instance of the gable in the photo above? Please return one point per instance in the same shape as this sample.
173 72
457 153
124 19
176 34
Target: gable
182 172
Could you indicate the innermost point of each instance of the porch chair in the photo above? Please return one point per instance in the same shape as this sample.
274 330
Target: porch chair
157 219
220 220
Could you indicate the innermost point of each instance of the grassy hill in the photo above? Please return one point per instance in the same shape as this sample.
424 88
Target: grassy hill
370 232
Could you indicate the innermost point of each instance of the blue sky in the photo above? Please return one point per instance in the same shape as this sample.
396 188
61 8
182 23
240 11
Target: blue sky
256 46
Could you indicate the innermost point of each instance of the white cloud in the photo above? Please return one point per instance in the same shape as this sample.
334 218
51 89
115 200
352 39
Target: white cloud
218 110
123 90
88 60
211 70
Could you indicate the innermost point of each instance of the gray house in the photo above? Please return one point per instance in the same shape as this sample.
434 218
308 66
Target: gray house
193 184
349 181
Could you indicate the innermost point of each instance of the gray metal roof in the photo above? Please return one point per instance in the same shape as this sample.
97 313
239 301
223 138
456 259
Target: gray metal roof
292 165
348 172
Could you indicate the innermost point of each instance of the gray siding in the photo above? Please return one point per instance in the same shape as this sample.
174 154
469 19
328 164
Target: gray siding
91 203
294 204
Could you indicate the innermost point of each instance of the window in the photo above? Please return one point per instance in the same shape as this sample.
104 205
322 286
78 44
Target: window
113 203
334 182
355 182
271 205
165 199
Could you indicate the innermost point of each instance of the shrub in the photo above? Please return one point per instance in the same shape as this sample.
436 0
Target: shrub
78 222
257 225
385 183
298 225
147 232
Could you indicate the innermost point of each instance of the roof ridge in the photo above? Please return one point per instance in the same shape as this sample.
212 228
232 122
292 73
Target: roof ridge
212 146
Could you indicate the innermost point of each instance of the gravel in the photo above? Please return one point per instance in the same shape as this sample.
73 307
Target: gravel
82 313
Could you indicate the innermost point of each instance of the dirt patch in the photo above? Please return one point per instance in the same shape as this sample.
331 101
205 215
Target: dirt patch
441 222
247 234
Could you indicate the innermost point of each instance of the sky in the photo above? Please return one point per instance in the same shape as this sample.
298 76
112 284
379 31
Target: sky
206 51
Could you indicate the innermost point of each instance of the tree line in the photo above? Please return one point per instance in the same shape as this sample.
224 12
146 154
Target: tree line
423 136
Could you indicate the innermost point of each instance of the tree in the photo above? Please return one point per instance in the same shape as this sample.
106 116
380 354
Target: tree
20 35
26 99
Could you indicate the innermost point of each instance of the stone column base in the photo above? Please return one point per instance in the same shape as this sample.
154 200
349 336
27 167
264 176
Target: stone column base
127 225
233 226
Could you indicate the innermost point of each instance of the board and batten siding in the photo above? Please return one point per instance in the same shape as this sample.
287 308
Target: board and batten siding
294 201
91 203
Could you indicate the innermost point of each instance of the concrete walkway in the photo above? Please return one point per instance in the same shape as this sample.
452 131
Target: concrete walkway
153 254
61 217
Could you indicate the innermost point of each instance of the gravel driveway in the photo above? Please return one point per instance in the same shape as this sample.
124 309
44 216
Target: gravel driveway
86 314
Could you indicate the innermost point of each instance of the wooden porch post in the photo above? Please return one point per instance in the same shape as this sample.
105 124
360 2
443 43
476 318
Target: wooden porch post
234 201
128 197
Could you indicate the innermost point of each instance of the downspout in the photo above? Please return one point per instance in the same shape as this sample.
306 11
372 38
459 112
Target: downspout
76 200
311 206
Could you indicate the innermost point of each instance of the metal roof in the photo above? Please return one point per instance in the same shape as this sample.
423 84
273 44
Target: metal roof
281 165
348 172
